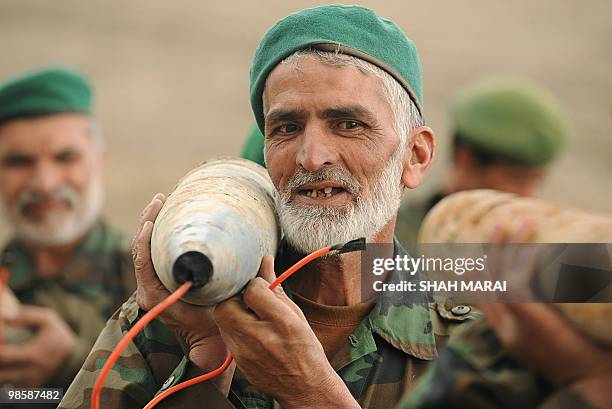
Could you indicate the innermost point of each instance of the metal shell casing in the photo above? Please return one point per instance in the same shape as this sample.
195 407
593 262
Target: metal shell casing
223 212
471 216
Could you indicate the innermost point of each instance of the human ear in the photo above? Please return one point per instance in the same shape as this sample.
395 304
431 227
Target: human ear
418 156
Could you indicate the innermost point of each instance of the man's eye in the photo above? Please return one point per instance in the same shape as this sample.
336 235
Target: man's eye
348 125
287 129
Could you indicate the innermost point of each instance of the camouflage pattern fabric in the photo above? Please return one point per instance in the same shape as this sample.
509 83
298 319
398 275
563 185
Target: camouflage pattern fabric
474 372
93 283
379 362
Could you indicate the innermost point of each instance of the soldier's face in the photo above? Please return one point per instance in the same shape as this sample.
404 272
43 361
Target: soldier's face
50 177
332 152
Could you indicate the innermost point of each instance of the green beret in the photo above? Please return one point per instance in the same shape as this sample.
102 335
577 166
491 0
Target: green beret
353 30
254 146
511 120
43 92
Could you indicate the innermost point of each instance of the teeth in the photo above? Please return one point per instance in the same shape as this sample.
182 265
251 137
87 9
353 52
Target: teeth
327 192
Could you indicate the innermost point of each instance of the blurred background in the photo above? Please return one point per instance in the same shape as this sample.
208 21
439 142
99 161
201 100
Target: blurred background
171 78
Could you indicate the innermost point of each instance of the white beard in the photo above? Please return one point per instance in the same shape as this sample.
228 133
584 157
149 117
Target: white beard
60 227
309 228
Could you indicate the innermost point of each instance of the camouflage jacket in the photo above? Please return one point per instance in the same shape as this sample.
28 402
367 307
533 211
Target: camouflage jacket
379 362
475 372
92 284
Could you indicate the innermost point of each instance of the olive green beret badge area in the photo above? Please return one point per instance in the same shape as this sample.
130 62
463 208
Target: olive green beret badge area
47 91
512 119
352 30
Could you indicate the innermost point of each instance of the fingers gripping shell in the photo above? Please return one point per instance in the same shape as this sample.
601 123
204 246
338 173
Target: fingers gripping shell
214 229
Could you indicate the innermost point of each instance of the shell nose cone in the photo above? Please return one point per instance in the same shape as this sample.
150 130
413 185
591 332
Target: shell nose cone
192 266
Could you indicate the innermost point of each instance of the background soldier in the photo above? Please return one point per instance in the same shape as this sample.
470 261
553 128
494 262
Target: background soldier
68 268
505 134
338 91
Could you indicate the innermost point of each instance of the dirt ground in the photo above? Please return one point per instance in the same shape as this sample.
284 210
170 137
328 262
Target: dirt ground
171 78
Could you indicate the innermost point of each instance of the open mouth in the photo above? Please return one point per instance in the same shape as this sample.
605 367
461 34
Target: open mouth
321 192
45 206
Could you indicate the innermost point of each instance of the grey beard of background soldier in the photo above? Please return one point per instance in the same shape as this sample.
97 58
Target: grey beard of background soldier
61 226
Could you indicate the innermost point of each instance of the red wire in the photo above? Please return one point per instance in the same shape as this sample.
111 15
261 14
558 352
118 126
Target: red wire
299 265
190 382
149 316
229 359
114 356
4 277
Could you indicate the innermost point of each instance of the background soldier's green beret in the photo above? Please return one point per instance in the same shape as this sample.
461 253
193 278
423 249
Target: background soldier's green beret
509 119
353 30
254 146
44 92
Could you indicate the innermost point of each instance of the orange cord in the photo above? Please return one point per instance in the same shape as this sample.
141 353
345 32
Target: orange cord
190 382
149 316
114 356
299 265
4 277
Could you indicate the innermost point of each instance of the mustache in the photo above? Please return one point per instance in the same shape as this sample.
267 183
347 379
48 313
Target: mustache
29 197
337 174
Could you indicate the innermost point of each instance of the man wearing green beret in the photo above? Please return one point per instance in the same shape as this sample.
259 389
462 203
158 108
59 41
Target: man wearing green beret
505 134
67 267
337 92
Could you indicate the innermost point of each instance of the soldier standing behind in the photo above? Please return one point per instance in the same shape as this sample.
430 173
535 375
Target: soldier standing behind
68 268
505 135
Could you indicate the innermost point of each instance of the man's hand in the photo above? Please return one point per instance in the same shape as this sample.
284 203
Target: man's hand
276 349
537 335
33 363
541 339
192 323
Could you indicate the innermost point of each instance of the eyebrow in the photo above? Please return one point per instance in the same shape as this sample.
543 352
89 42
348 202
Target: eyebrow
10 157
278 115
66 152
348 111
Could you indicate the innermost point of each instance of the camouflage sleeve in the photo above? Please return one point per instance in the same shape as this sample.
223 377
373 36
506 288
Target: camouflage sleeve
144 365
153 362
475 372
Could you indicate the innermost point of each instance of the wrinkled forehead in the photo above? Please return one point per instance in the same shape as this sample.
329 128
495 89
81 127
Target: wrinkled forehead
308 83
48 133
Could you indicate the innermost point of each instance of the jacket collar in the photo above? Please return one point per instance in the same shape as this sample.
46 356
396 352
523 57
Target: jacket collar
402 319
23 271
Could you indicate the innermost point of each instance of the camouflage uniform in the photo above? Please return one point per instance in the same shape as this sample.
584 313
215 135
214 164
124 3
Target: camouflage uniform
475 372
379 362
92 284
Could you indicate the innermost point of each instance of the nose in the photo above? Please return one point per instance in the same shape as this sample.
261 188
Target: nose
317 149
46 178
